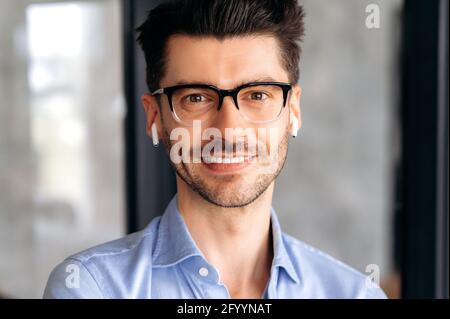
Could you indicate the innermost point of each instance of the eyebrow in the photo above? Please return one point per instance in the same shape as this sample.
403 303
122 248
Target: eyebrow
259 79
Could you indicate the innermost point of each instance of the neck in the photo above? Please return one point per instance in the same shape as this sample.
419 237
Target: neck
237 241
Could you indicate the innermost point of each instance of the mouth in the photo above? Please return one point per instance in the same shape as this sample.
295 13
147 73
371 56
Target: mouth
227 164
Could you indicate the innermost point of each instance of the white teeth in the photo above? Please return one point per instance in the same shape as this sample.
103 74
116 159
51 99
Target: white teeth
226 160
238 159
212 159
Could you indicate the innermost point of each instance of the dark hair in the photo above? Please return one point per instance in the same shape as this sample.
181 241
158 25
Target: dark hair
282 19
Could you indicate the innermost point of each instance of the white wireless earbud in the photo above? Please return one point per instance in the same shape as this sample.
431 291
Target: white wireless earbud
155 135
294 123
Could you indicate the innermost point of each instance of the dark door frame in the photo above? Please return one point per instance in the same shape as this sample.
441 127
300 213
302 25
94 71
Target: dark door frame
150 181
425 149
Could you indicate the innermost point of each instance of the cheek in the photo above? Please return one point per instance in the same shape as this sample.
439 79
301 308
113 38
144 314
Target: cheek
276 132
171 126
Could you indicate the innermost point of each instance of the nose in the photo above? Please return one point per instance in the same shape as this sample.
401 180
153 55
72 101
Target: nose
228 116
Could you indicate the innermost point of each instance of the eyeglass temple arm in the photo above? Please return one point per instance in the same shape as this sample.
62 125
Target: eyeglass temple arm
159 91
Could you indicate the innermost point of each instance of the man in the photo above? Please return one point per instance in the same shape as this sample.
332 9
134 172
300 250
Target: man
224 99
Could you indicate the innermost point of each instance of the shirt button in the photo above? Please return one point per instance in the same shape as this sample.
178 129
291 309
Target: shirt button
203 271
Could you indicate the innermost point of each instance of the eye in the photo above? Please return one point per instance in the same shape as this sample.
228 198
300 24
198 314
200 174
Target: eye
258 96
195 98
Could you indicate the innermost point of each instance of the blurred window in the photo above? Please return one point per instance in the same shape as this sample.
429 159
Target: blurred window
61 134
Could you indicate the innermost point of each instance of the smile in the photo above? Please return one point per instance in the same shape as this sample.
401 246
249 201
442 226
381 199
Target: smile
227 165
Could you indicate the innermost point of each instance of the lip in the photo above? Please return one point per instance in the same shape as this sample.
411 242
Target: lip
229 168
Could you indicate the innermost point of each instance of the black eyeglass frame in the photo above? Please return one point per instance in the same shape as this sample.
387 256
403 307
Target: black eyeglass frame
286 87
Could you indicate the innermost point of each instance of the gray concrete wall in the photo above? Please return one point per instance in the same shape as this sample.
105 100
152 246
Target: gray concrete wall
336 189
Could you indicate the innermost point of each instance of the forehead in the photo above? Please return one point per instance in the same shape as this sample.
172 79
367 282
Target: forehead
226 64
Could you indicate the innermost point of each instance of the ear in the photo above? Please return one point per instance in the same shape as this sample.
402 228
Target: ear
294 105
152 113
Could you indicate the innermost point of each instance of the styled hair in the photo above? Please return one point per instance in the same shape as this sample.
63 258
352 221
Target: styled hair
221 19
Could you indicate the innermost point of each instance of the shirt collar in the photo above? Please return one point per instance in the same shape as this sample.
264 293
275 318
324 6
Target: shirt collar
281 256
174 243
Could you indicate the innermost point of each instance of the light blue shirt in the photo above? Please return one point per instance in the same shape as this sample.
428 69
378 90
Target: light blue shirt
163 261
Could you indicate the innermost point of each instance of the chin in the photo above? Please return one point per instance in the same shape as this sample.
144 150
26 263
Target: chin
229 195
228 202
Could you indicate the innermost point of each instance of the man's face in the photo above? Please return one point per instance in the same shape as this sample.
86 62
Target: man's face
227 64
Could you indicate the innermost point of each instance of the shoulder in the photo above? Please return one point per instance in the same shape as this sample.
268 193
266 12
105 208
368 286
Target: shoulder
98 271
323 276
128 245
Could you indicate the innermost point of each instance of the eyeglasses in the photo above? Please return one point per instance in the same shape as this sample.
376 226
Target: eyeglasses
257 102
